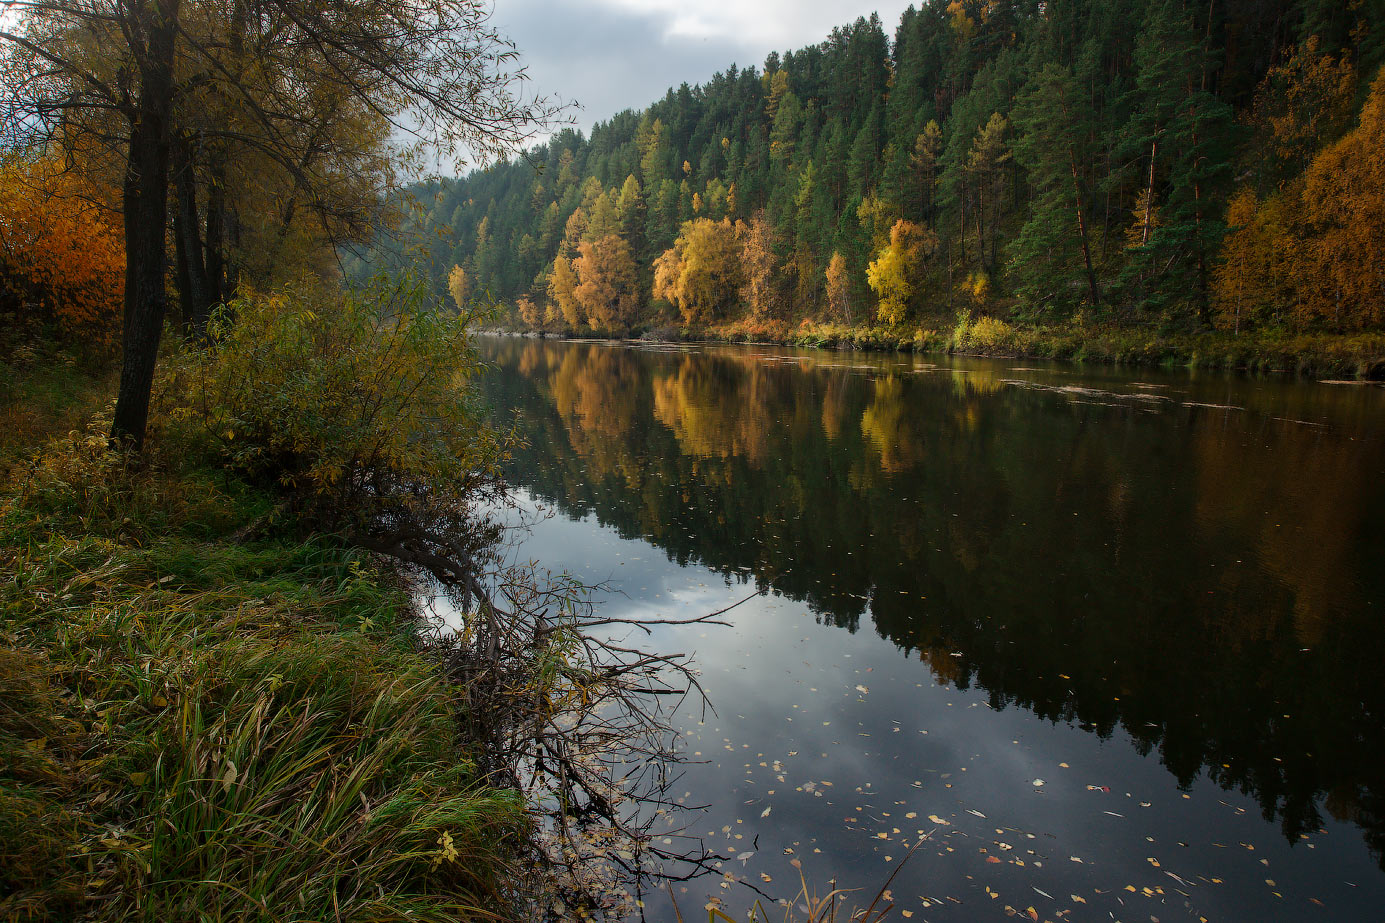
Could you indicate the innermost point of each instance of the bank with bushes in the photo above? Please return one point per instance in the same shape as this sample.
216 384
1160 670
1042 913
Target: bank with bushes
219 697
1359 356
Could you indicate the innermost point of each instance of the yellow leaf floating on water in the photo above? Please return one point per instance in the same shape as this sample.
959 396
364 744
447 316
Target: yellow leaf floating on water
935 819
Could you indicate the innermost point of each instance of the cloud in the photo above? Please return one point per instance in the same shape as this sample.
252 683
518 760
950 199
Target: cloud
612 55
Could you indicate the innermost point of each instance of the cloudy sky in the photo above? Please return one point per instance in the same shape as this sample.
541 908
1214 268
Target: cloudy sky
611 55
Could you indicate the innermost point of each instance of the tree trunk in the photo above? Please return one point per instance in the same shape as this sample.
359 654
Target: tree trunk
215 238
1082 229
962 227
980 230
193 288
145 202
1149 193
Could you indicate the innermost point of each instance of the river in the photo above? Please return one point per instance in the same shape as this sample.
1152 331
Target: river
1112 640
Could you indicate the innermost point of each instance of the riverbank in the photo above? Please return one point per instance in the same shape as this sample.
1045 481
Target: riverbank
203 713
1324 356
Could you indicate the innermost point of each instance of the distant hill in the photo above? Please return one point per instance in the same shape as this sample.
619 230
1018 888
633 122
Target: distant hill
1176 164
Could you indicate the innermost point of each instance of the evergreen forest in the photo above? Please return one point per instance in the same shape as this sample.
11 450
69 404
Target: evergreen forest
1165 165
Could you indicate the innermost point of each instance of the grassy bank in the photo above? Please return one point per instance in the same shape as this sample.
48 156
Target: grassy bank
204 717
1312 355
1353 356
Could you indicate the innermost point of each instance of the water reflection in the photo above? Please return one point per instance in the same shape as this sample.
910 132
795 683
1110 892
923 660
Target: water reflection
1195 561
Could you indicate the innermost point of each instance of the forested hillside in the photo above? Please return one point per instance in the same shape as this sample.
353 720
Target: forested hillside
1168 164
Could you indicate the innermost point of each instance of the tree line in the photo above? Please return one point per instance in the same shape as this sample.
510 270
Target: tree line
1146 162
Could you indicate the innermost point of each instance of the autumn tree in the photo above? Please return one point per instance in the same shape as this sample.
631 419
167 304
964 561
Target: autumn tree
134 74
763 288
62 262
1340 269
608 289
529 313
459 287
562 288
893 275
702 273
839 288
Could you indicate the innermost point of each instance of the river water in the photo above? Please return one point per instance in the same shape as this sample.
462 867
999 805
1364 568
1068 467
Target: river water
1111 640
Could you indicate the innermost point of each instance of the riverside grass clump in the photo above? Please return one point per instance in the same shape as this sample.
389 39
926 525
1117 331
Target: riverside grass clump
214 704
196 727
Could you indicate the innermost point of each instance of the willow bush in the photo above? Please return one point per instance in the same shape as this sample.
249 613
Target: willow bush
355 404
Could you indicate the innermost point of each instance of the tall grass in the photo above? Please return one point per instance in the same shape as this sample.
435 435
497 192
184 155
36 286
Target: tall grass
198 728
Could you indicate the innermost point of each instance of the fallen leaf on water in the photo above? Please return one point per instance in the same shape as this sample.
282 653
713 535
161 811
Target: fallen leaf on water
765 812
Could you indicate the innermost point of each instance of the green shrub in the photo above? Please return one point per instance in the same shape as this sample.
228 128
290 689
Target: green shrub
357 405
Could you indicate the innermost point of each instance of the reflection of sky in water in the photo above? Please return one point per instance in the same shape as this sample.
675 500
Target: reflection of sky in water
1035 811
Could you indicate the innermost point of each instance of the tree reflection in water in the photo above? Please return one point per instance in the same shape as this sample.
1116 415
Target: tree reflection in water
1196 562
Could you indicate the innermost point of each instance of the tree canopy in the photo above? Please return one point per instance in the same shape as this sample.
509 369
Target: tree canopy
252 111
1070 158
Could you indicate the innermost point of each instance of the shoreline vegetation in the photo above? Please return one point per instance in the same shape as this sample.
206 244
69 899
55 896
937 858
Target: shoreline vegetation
224 689
1134 181
1321 356
209 708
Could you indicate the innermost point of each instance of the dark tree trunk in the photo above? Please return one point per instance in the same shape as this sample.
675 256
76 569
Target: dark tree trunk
194 290
145 201
1082 229
217 288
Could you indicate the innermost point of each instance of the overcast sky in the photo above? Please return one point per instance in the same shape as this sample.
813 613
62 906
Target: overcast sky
611 55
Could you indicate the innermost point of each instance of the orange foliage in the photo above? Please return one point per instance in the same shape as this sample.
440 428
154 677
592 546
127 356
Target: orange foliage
62 257
1313 252
1344 224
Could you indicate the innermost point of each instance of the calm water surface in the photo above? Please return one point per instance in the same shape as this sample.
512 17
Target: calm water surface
1114 638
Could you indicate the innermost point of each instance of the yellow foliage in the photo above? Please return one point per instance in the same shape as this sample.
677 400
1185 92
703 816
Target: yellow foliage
342 397
702 273
893 275
62 257
608 282
562 283
990 332
1313 252
459 286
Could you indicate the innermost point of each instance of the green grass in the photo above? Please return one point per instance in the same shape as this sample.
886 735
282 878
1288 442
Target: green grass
196 726
1316 355
44 391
